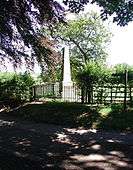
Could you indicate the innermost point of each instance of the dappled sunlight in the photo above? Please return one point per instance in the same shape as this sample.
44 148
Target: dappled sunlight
94 154
24 142
113 141
91 157
100 135
101 161
116 153
61 137
48 146
96 161
93 149
3 109
81 131
6 123
96 147
20 154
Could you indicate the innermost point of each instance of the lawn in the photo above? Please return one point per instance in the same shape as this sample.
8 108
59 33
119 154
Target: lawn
77 115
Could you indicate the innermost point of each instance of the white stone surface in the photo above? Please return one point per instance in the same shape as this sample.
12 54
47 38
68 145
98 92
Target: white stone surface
67 82
67 70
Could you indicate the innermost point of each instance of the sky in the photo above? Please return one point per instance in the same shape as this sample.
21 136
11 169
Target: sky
121 46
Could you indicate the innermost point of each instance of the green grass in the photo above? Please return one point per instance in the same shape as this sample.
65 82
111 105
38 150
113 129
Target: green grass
105 111
75 115
70 114
114 118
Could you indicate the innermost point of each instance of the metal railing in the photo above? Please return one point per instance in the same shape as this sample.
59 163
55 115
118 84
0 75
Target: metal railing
98 94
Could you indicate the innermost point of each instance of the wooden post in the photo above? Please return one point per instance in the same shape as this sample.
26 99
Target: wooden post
31 93
91 94
125 91
53 90
86 94
82 95
34 92
111 94
130 93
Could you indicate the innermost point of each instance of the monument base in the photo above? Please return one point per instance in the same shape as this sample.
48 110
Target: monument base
70 83
67 91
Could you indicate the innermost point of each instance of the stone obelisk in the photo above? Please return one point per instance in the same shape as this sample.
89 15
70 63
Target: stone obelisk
67 82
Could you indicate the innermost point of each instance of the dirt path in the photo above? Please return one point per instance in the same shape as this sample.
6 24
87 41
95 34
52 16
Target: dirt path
30 146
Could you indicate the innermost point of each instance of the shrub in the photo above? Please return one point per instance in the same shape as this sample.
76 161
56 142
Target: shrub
15 88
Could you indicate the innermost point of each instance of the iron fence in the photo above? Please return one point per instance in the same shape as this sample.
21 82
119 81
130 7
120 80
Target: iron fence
97 94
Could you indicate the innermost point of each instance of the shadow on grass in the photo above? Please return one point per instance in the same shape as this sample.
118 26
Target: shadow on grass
69 114
117 119
41 146
35 146
76 115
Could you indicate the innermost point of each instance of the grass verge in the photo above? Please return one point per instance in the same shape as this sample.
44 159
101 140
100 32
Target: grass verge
75 115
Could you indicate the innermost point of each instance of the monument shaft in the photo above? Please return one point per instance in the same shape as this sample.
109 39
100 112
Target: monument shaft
67 70
67 82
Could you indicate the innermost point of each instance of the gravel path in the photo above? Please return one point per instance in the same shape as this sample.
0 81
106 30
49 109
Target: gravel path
30 146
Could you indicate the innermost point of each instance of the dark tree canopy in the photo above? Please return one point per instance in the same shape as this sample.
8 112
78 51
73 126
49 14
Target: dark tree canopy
20 20
122 9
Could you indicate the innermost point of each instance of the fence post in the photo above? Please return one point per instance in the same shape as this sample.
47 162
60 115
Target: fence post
92 95
88 95
130 93
31 93
53 89
111 94
125 91
82 95
34 92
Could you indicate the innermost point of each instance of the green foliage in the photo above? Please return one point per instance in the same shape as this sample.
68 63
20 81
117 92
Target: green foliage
93 73
120 68
116 107
89 42
55 76
118 76
19 22
117 119
15 88
87 36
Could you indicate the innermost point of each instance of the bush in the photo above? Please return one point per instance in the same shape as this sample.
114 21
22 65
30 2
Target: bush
116 107
15 88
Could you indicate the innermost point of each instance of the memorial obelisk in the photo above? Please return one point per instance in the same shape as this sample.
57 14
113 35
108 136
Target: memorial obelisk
67 82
